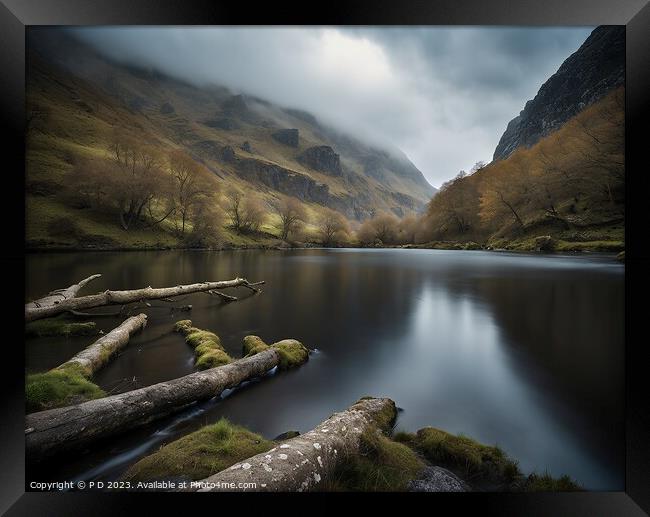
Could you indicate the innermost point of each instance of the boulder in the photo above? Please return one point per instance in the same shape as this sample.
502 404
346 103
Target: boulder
437 479
227 154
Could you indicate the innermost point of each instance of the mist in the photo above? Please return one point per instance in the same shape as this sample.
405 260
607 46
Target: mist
442 95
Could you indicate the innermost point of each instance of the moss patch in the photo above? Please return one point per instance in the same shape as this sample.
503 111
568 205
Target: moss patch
207 346
60 326
472 459
547 483
200 454
382 465
292 353
253 345
59 387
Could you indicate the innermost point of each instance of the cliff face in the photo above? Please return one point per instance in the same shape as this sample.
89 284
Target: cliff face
596 68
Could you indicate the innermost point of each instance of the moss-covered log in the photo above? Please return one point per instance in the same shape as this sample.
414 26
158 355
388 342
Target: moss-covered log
57 430
302 463
93 357
60 295
70 382
124 297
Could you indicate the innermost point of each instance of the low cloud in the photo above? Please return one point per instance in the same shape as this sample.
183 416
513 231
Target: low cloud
443 95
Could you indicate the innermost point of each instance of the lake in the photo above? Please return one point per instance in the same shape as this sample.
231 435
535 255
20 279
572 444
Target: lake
521 350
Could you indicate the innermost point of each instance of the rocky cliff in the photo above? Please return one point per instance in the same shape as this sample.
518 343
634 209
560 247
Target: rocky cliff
596 68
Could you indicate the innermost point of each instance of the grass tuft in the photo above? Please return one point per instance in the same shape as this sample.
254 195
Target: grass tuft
382 465
60 326
59 387
200 454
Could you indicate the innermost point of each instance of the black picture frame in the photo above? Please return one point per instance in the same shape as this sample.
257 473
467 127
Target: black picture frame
15 15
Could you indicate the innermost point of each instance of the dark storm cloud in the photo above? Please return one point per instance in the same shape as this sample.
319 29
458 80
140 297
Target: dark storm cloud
441 94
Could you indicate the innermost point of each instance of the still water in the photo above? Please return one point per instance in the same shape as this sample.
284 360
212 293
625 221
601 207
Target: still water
523 351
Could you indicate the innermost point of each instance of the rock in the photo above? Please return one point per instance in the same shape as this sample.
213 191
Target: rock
437 479
322 158
544 243
287 137
246 146
235 105
286 436
228 154
586 76
166 108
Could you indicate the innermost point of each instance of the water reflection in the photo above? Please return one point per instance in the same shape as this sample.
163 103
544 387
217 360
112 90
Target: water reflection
519 350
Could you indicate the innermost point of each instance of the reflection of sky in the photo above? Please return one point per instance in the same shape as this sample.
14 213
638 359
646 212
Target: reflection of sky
453 364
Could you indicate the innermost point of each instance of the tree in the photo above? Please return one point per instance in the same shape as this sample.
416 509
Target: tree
233 207
332 227
292 215
126 183
136 179
380 229
190 186
246 214
253 214
454 207
407 229
506 190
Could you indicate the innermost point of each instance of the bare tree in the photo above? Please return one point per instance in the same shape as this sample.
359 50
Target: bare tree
253 214
233 206
332 227
190 185
136 180
292 215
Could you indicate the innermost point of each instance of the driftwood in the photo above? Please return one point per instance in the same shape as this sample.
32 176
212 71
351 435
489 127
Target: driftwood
98 354
302 463
57 430
125 297
60 295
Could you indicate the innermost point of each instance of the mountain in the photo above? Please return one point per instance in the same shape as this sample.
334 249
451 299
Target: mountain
586 76
244 140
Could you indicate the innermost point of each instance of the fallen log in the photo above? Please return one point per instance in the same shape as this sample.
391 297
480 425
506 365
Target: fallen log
57 430
302 463
125 297
93 357
70 383
58 295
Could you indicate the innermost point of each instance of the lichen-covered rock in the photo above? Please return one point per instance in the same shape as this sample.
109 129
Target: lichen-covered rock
437 479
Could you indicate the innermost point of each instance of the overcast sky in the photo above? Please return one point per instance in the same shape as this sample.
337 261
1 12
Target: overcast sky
443 95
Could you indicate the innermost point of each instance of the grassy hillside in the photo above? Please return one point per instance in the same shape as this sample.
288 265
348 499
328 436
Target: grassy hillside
76 99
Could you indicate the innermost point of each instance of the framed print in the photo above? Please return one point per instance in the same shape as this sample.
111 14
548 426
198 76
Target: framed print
379 251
